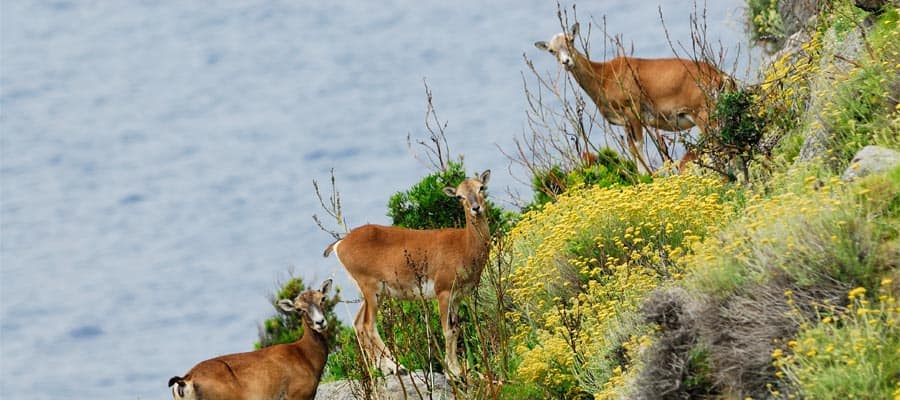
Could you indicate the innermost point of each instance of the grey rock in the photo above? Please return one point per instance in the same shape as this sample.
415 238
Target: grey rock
793 48
414 386
796 14
871 5
871 160
832 69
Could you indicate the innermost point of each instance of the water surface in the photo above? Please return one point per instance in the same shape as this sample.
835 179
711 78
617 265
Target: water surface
156 158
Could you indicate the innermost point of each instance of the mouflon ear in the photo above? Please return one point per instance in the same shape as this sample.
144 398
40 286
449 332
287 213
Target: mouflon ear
286 305
542 45
484 177
325 286
574 30
450 191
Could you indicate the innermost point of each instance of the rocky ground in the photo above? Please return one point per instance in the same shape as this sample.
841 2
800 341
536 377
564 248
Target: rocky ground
410 386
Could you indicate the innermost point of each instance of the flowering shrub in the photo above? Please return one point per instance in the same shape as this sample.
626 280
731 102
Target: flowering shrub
811 240
848 352
781 98
582 264
765 21
814 234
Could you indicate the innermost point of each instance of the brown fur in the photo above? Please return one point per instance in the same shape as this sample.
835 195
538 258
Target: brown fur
391 261
671 94
285 371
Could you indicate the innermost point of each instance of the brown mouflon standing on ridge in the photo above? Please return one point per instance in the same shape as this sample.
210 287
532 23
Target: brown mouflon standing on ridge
672 94
446 264
284 371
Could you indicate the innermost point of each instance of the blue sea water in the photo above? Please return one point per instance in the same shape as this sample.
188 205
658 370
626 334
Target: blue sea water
156 158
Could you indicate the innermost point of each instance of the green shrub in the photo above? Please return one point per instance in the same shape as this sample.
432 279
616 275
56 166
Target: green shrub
416 346
698 381
604 169
547 186
425 206
344 361
741 126
765 21
286 328
521 391
865 109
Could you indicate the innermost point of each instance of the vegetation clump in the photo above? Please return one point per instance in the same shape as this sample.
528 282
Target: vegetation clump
765 22
425 206
603 169
612 285
288 327
582 263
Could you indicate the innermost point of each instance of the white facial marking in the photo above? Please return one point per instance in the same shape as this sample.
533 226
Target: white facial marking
315 314
558 47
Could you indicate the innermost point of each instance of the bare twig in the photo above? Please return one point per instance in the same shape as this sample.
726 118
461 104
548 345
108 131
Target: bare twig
563 128
332 208
437 151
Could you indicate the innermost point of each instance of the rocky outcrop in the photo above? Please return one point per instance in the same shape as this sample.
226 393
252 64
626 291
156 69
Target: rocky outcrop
795 15
871 160
871 5
833 67
396 387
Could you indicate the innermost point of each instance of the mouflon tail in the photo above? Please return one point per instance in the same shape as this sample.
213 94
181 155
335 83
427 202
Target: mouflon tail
330 248
178 390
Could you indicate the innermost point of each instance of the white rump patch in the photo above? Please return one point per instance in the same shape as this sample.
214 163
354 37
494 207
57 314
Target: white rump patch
412 292
428 288
334 249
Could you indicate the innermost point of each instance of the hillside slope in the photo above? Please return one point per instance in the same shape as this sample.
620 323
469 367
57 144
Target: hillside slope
783 286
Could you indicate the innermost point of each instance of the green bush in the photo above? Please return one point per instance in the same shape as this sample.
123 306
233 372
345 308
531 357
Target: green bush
604 169
865 109
286 328
739 128
425 206
547 186
416 346
344 361
765 21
